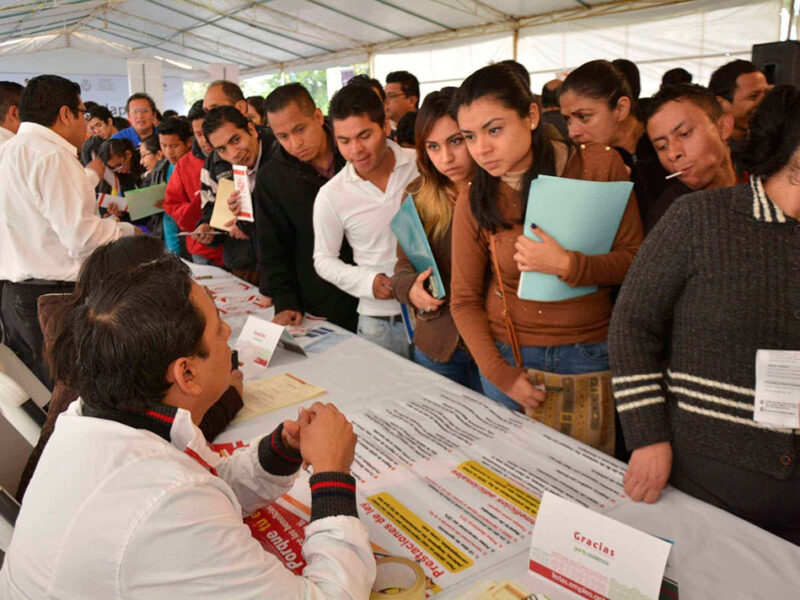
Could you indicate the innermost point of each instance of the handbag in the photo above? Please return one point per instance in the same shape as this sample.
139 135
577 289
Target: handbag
580 406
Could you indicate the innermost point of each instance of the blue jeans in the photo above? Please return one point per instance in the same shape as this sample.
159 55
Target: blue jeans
391 333
461 368
573 359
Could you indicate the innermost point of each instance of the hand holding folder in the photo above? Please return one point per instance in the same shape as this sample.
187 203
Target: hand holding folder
407 228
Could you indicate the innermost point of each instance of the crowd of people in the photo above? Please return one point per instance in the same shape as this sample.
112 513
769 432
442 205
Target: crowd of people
701 274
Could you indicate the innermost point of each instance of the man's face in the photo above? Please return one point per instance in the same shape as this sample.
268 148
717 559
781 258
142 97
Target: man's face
100 128
687 140
214 370
75 125
197 130
141 116
299 131
749 92
237 146
361 142
173 147
397 103
120 164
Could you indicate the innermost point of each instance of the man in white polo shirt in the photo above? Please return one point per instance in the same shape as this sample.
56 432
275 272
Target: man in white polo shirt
359 202
48 212
9 109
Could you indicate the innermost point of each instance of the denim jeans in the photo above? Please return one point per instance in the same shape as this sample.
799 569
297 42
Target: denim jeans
390 334
461 368
573 359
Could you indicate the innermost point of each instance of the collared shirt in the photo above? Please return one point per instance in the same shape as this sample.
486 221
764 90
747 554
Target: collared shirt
117 511
129 133
352 207
49 220
5 135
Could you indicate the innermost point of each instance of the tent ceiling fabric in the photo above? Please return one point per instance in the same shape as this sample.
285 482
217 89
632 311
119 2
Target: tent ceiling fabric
269 35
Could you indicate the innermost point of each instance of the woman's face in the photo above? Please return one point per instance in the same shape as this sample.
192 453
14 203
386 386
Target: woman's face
591 120
149 159
446 148
498 139
254 115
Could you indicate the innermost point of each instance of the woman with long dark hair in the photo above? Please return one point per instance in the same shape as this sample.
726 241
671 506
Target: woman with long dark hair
600 107
500 122
446 168
716 282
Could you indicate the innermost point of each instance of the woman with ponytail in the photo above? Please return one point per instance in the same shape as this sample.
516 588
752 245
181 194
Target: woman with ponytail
715 282
500 122
445 168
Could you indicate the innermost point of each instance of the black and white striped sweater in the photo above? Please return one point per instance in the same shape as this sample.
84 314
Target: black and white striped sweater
717 279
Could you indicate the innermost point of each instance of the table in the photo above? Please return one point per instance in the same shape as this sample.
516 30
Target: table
452 479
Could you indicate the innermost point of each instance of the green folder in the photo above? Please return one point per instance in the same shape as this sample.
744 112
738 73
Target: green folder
582 216
141 202
410 233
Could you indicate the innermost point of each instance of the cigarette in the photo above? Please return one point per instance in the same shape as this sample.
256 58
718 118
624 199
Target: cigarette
673 175
187 233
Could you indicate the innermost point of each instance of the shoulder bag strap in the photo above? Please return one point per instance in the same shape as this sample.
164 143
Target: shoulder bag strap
512 333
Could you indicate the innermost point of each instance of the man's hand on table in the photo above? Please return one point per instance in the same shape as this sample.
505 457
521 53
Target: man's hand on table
326 438
648 472
288 317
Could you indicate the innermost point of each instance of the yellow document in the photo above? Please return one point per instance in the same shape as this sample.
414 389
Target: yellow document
222 214
271 394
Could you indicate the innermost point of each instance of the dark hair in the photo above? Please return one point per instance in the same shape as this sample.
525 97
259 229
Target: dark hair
405 128
175 126
217 117
197 111
100 112
141 96
232 91
774 132
723 80
407 81
90 104
151 144
115 147
630 71
550 95
43 97
696 94
258 103
519 69
282 96
501 83
675 76
357 100
112 364
370 82
10 93
170 113
600 80
121 123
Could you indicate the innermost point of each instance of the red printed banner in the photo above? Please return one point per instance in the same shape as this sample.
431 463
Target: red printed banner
280 532
566 582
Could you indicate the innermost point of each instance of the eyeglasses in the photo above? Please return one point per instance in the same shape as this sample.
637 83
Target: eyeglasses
395 95
140 111
145 154
83 112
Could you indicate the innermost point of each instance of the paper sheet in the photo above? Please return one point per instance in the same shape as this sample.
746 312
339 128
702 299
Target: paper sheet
271 394
222 214
777 401
142 202
242 184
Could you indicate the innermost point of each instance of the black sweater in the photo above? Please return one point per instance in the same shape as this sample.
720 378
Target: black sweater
284 208
717 279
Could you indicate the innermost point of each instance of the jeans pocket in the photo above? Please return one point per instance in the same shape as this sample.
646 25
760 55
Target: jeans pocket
594 352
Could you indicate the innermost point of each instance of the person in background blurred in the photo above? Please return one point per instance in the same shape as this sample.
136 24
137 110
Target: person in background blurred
257 111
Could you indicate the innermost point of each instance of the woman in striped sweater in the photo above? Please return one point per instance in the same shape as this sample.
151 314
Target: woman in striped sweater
717 280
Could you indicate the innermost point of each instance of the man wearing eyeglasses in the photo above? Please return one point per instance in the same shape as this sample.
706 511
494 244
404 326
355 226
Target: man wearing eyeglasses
48 215
402 96
142 116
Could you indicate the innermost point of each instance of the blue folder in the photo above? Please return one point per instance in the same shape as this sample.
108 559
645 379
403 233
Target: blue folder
582 215
407 228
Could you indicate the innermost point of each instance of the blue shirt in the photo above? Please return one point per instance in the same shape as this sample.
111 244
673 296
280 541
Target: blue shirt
129 133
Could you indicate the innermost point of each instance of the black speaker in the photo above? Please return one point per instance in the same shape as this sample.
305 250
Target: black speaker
779 61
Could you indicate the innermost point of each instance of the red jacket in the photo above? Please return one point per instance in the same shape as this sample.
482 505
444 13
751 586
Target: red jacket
182 202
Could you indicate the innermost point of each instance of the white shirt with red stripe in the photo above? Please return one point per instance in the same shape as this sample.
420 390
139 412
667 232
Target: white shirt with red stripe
118 512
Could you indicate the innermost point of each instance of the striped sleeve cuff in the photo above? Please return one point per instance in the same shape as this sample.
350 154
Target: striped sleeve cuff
641 407
275 457
332 494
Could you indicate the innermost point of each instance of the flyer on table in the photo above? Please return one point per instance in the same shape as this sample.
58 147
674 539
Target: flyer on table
593 556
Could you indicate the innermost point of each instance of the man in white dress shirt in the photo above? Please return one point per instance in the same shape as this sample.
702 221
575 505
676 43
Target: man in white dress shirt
9 109
359 202
48 212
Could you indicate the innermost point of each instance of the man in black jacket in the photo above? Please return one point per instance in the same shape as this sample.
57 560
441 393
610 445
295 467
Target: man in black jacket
286 187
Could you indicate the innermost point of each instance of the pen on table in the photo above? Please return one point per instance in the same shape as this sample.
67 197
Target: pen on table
187 233
675 174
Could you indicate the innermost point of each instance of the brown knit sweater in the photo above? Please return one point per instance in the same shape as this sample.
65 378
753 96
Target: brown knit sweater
476 304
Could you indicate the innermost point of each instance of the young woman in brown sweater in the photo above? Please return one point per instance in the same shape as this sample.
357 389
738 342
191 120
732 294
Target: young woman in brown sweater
446 168
500 123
